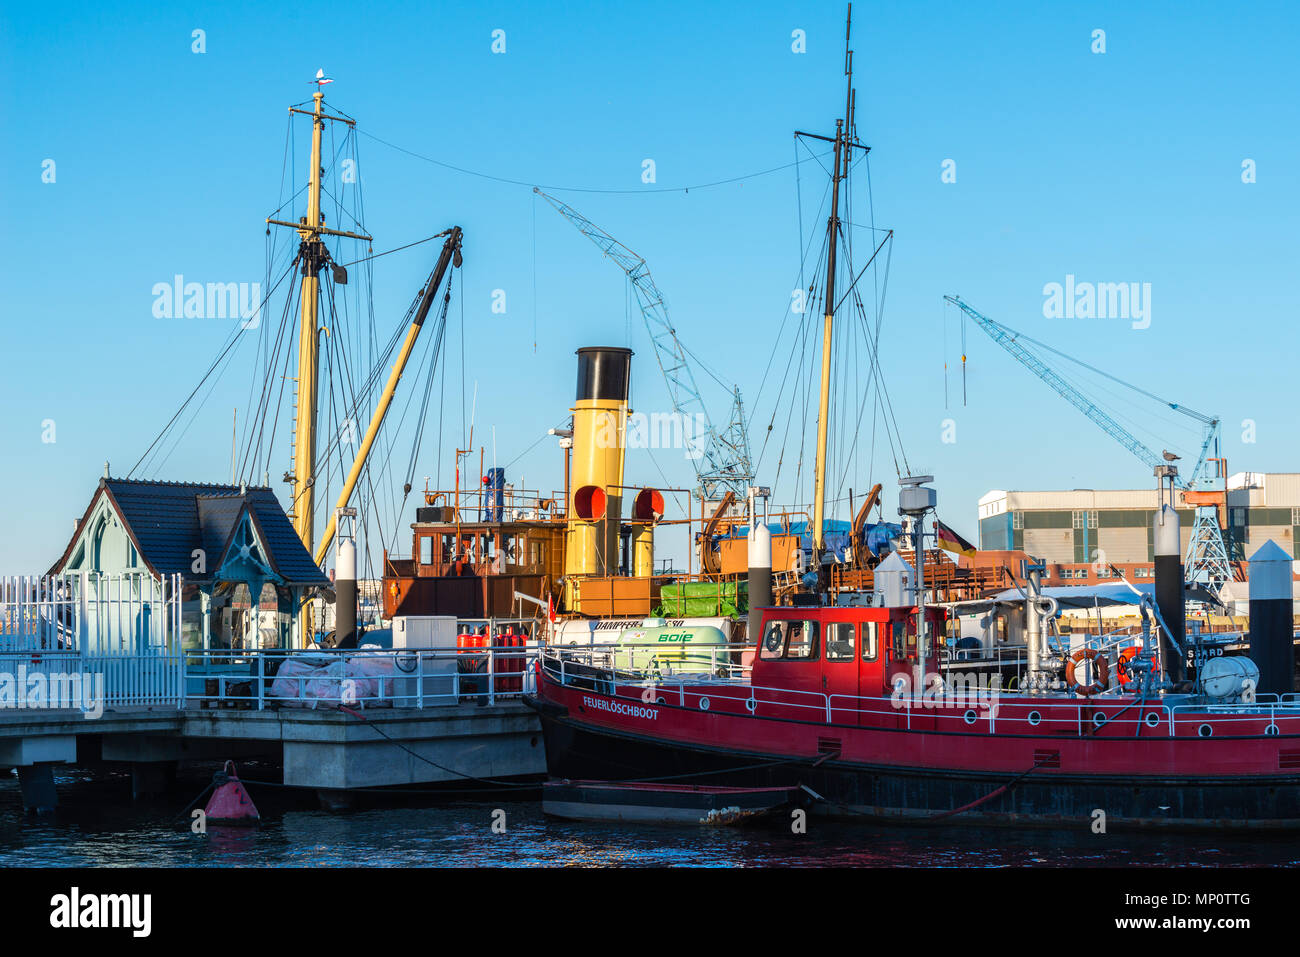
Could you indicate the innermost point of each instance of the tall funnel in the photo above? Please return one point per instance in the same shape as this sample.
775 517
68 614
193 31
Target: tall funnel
595 503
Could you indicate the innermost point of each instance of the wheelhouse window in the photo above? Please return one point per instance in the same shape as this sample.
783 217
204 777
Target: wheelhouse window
790 640
904 638
870 637
839 641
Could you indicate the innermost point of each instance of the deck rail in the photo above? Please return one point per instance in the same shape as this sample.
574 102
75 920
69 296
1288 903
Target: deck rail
977 709
91 641
361 678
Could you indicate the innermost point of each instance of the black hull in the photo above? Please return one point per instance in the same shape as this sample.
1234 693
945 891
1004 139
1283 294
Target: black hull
925 797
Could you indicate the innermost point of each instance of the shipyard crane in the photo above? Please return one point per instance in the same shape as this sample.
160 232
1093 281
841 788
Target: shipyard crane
1207 556
724 463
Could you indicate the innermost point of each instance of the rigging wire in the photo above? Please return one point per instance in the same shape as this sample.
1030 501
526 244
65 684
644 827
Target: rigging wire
233 340
573 189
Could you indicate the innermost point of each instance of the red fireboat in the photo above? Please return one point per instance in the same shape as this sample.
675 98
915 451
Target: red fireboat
828 699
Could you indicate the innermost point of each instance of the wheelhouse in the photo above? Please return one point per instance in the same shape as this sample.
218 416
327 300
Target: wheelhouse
854 652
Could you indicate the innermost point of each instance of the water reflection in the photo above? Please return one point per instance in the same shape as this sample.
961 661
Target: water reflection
98 826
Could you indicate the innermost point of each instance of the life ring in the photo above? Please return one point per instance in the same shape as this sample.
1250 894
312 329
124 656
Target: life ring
1101 669
1121 664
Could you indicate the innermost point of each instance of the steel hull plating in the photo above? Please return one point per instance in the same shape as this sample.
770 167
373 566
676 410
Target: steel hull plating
580 746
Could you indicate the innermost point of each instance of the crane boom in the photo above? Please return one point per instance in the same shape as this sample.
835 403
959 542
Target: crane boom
1006 338
1206 552
724 462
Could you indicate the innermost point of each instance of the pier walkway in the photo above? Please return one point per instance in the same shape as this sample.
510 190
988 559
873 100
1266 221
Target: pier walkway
89 674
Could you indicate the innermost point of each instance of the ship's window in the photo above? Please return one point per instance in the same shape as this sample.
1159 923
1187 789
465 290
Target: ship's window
905 638
791 640
802 640
869 637
426 550
839 641
774 640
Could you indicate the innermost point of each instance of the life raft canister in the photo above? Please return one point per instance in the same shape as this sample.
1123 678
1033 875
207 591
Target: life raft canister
1101 672
230 803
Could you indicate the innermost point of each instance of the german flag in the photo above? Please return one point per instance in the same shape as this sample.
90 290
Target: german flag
950 541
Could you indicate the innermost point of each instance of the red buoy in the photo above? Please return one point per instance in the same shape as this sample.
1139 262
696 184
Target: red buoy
230 803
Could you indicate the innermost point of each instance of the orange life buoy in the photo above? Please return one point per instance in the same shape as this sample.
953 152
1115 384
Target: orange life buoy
1101 669
1121 664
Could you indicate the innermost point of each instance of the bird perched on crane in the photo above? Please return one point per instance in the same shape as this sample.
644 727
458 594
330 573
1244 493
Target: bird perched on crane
1169 456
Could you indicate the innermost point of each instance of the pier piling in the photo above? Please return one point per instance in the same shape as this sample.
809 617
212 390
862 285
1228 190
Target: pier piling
1270 619
36 782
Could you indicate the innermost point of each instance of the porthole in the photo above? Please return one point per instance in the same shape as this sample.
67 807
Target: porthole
1035 718
704 704
969 717
659 700
1205 731
1152 719
1098 720
1272 731
751 704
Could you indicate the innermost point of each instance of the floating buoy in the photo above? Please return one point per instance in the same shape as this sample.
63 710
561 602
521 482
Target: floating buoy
230 803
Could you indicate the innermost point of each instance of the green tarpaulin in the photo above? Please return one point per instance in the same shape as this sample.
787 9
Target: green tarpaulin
703 600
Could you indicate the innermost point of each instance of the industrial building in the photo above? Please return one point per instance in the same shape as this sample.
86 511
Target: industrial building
1080 533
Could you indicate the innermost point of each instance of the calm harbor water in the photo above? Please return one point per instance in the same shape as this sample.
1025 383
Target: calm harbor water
97 825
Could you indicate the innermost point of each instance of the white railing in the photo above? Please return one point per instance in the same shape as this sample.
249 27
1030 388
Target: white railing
36 614
364 678
114 634
978 710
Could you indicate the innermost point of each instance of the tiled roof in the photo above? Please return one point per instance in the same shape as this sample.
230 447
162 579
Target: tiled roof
171 519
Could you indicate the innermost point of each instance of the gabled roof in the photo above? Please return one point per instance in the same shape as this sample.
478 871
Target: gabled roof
169 520
217 517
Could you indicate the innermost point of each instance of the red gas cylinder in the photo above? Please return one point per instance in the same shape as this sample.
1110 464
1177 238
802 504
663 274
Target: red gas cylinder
516 662
500 662
512 663
230 803
520 661
467 662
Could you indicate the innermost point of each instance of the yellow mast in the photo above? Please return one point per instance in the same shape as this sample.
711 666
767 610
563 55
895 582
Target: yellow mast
303 507
843 140
828 322
313 256
450 254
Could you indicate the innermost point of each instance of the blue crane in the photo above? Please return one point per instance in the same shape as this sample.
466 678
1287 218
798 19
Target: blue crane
1207 556
724 463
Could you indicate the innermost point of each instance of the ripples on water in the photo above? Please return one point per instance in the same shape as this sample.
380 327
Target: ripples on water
97 825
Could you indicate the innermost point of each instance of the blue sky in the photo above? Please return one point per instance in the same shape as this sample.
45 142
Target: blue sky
1124 166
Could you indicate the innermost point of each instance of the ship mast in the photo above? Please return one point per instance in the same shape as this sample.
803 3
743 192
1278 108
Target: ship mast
313 256
844 141
311 252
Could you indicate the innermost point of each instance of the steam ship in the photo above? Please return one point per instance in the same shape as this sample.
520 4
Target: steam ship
843 690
